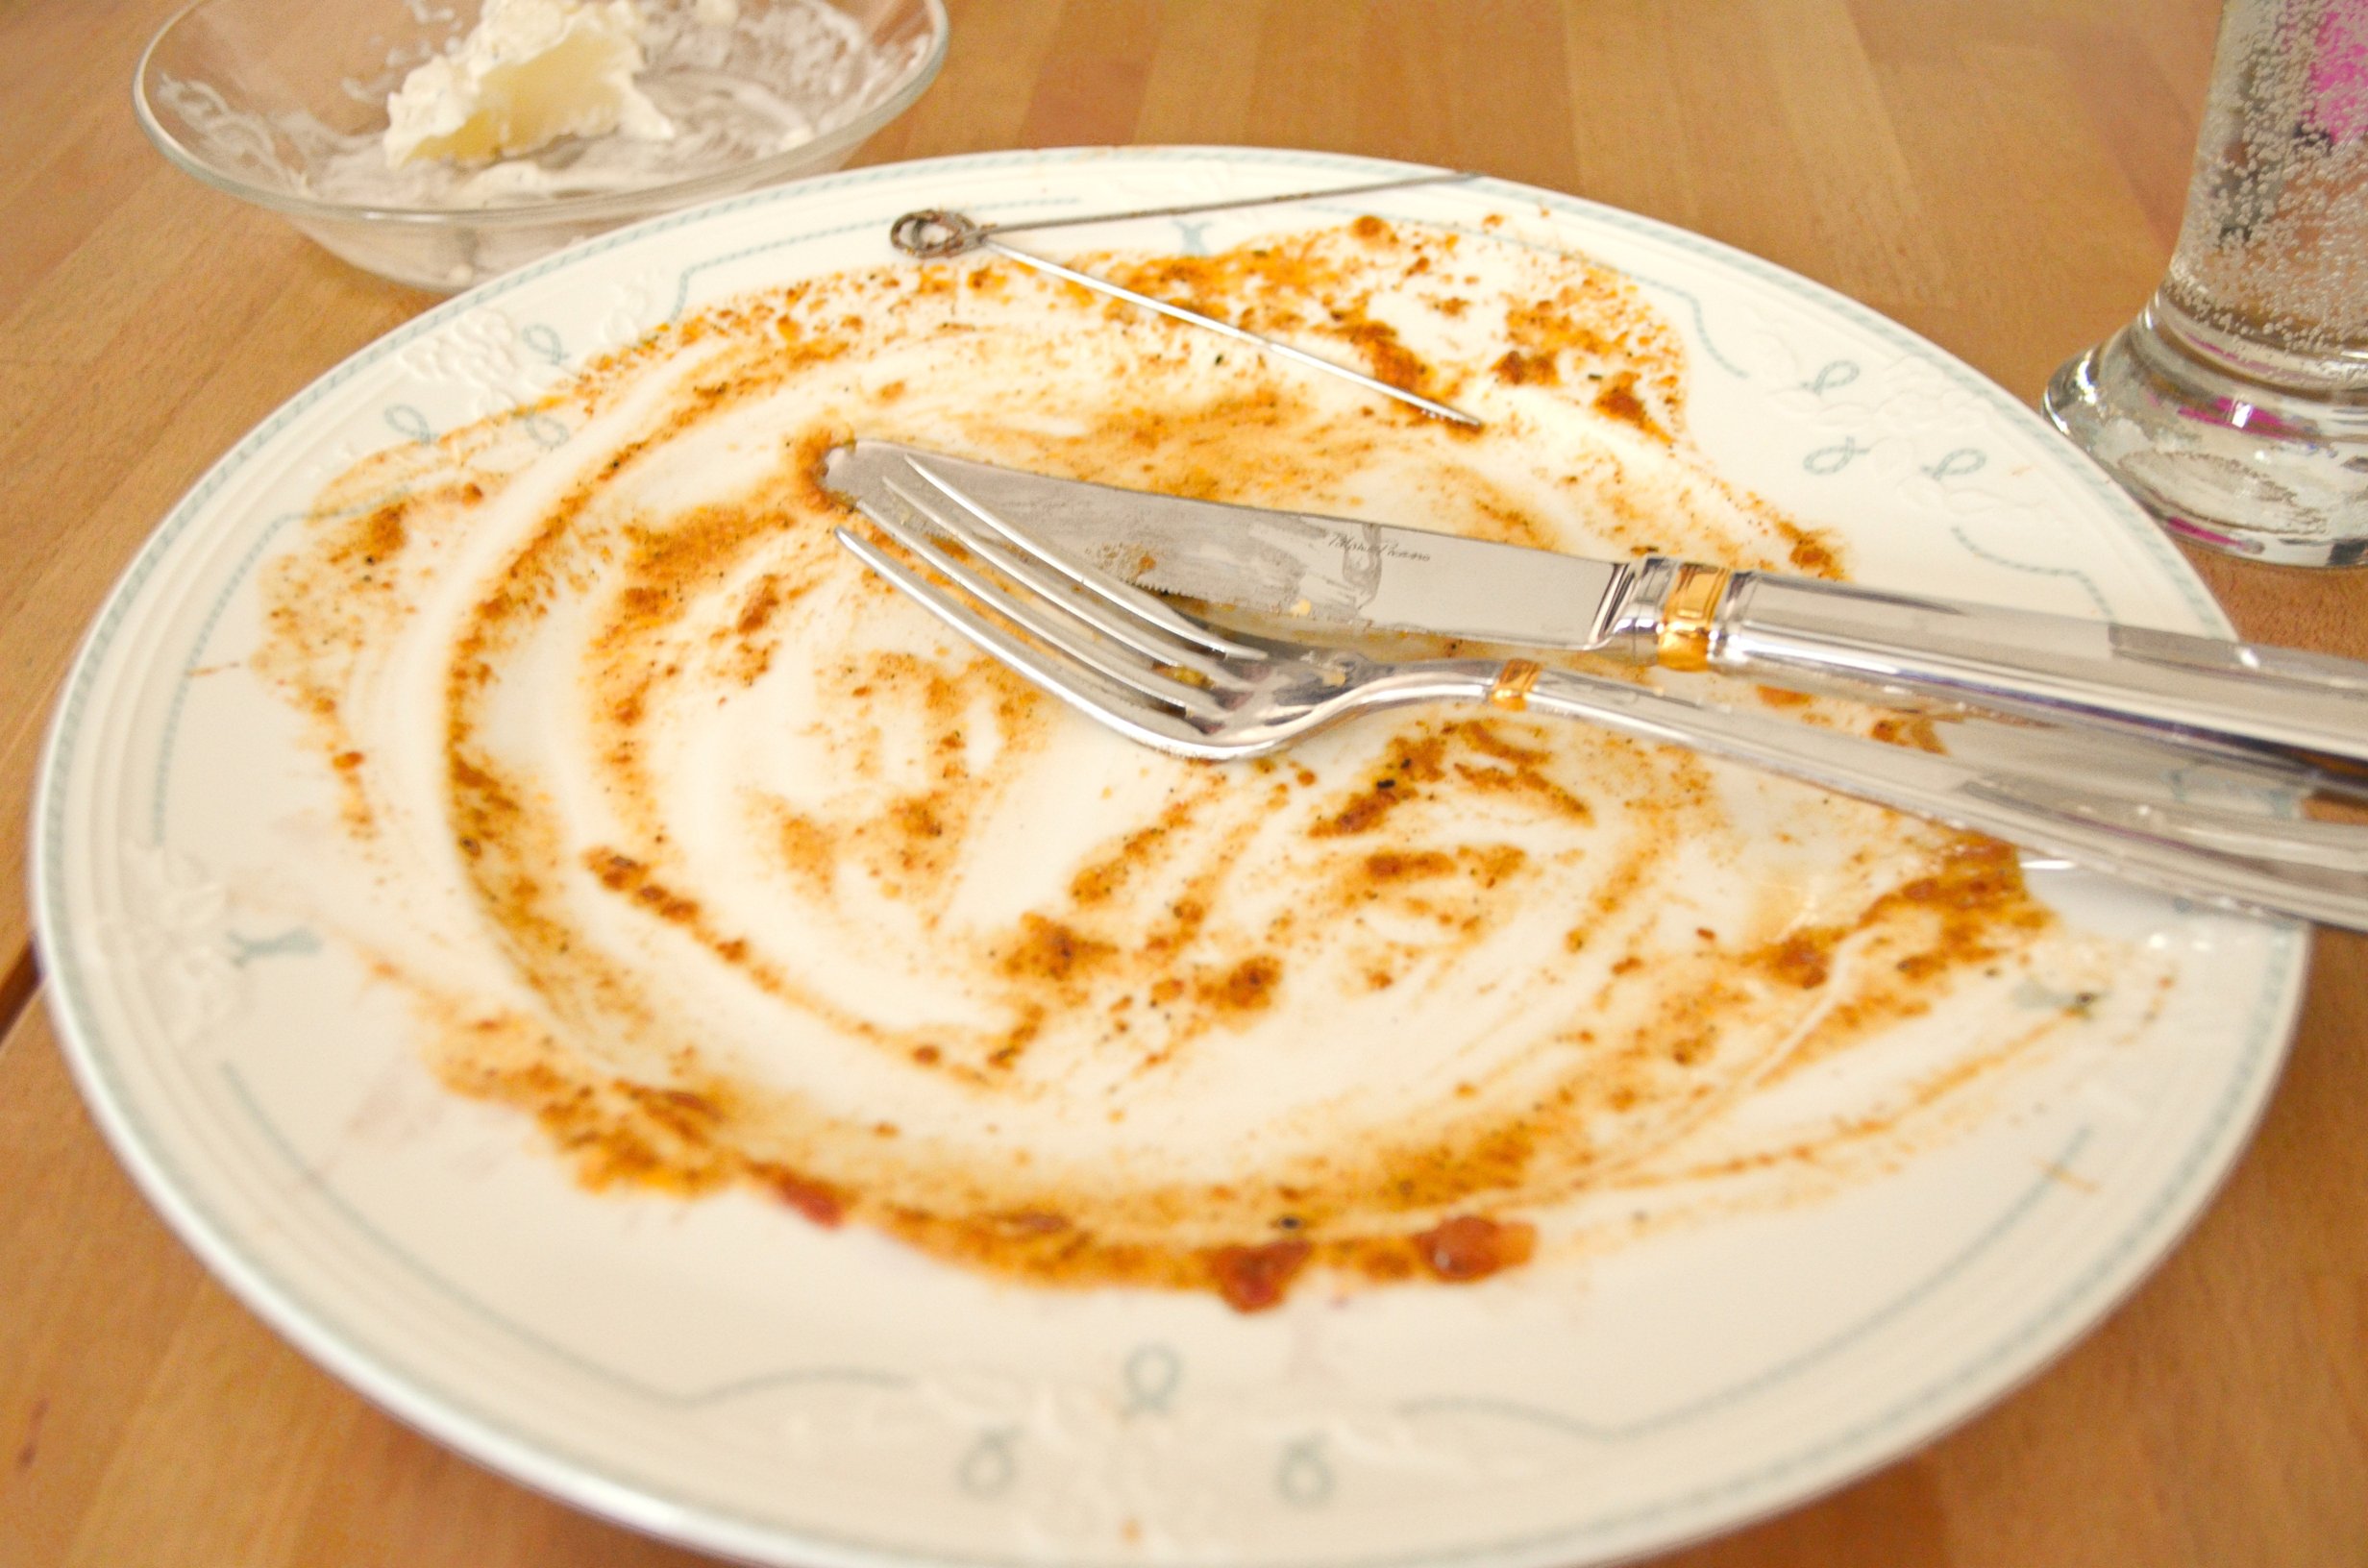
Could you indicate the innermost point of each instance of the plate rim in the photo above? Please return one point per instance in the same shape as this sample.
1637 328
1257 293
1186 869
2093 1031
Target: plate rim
1970 1386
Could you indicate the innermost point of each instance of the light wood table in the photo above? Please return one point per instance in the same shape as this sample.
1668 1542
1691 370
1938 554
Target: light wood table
2004 175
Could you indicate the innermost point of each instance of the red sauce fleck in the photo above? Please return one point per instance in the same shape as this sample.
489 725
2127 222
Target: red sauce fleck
1518 369
1247 987
1253 1279
821 1204
1619 400
1804 959
1469 1247
1916 734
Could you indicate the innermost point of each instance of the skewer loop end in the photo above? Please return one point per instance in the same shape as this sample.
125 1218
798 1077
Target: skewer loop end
935 234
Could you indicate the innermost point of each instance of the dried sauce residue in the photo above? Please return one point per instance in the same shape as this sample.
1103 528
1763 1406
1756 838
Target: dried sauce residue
1035 1002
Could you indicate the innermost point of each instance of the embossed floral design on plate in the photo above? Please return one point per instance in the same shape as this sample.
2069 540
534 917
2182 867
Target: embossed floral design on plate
721 1372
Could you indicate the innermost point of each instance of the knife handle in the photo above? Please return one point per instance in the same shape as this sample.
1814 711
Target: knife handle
2156 815
1790 630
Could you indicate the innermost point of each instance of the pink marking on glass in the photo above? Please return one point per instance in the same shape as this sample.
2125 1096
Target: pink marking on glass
2339 71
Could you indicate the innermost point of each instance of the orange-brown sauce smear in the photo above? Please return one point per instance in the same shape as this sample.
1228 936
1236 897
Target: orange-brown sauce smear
784 890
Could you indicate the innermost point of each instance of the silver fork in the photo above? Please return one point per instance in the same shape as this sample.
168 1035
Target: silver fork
2189 823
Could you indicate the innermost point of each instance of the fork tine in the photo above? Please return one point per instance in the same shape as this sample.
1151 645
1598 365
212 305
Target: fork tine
1094 580
1054 626
1060 588
1103 701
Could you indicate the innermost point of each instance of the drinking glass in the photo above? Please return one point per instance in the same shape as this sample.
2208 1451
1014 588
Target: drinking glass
2235 406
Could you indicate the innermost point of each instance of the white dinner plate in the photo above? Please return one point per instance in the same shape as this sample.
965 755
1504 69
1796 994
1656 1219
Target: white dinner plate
718 1372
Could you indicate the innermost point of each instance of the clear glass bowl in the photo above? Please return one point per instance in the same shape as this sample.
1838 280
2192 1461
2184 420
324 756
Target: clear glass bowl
283 103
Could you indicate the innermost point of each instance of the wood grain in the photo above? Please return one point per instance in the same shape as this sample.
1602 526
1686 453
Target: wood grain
2004 175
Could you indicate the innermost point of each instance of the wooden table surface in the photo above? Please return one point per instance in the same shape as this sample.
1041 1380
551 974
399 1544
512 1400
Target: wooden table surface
2003 176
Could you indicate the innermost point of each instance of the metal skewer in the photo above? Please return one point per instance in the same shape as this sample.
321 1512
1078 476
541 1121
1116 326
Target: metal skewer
936 233
959 234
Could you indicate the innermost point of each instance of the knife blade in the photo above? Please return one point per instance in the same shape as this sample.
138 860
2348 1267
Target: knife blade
1328 576
1332 578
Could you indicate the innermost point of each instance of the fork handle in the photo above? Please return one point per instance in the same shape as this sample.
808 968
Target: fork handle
2318 871
1787 629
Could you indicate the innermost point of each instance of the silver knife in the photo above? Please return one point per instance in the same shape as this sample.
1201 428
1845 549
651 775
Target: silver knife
1334 578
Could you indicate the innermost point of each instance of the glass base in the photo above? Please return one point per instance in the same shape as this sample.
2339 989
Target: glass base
2276 474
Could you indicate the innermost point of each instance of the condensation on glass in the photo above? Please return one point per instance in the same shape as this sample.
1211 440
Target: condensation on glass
2236 406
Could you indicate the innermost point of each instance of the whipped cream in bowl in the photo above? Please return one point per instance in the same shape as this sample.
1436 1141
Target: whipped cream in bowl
531 73
440 146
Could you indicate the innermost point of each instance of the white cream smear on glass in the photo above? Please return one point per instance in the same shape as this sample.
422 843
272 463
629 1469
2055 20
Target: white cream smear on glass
530 72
